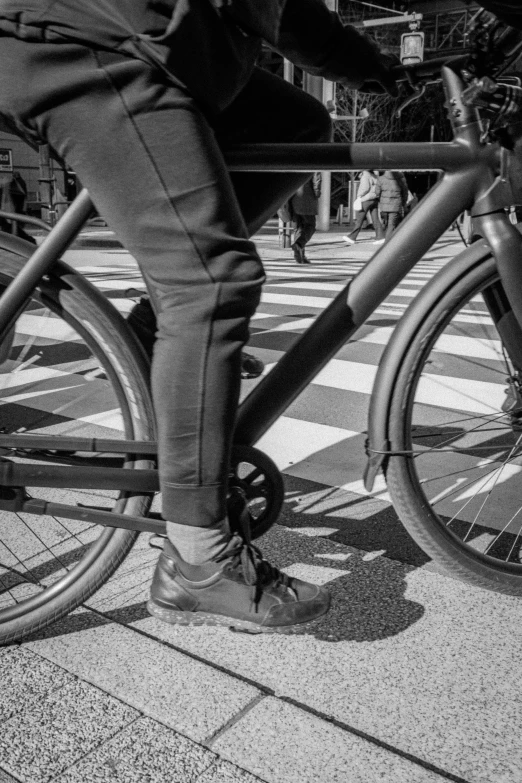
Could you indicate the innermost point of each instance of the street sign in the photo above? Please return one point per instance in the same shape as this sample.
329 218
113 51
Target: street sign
6 160
399 19
412 47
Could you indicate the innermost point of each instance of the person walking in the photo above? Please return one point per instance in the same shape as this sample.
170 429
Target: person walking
139 98
304 206
368 195
13 198
392 199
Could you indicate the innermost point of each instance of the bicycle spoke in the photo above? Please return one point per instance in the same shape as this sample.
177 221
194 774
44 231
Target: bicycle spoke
463 405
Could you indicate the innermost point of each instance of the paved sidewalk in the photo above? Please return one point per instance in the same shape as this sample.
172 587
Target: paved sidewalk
411 678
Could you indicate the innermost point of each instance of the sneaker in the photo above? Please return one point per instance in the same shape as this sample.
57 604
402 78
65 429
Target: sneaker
239 590
378 242
349 240
142 321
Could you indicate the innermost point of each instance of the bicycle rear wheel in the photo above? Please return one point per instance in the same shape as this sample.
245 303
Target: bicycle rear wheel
459 494
68 367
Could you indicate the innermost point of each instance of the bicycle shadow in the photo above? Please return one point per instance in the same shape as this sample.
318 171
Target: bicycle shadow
367 589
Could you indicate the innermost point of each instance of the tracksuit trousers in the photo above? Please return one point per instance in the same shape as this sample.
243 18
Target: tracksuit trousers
153 165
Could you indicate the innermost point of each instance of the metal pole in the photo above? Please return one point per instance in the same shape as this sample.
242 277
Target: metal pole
285 230
352 174
313 85
46 182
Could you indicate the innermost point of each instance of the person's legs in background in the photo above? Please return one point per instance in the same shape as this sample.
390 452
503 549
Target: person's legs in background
379 231
392 221
384 220
359 220
305 229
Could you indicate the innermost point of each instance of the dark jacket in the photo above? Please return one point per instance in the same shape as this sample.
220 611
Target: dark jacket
305 200
394 191
225 35
509 11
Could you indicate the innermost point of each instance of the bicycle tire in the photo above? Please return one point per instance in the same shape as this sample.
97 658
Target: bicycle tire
71 351
454 492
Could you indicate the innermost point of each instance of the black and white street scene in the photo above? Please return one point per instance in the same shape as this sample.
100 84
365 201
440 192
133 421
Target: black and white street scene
260 391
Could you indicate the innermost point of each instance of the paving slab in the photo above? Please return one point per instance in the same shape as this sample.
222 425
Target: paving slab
51 734
143 751
168 686
26 678
284 744
419 661
5 778
225 772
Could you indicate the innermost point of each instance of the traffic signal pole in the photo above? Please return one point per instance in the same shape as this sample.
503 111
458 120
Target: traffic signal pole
324 91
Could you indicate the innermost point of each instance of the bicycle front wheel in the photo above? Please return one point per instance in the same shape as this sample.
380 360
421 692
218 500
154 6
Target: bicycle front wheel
68 367
458 486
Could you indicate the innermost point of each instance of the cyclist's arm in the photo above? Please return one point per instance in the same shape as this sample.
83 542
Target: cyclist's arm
509 11
315 39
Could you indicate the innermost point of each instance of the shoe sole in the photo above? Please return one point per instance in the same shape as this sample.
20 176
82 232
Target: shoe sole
178 617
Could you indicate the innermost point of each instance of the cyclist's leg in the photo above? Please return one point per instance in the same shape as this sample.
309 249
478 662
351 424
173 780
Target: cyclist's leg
270 110
155 171
152 166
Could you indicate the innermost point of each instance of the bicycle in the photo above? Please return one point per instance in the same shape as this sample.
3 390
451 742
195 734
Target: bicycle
445 469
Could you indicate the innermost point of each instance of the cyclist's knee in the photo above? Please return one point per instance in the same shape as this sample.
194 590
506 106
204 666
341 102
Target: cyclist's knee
232 296
319 125
324 127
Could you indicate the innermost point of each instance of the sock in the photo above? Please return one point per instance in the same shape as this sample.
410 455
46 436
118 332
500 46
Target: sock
198 545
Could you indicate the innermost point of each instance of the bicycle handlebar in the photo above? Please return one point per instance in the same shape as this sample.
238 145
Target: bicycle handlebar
428 70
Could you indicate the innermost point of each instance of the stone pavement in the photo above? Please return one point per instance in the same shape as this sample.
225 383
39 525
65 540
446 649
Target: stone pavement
411 678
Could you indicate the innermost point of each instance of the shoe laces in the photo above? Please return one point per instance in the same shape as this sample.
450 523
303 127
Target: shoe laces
256 571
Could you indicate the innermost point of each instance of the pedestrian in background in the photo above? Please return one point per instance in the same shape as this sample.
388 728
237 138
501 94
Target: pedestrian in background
13 198
368 196
304 206
392 199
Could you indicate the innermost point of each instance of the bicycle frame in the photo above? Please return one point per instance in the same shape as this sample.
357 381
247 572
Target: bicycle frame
474 179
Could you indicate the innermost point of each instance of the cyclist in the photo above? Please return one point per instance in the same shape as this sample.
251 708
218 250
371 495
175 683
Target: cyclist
139 97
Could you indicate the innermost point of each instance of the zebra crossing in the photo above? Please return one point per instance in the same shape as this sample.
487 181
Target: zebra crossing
321 436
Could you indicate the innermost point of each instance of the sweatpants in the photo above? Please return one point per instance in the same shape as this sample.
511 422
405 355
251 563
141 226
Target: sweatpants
153 165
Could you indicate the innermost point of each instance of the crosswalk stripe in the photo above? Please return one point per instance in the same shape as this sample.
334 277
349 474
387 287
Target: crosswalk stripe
301 445
461 394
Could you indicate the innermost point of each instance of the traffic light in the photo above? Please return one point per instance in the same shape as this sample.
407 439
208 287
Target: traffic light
412 47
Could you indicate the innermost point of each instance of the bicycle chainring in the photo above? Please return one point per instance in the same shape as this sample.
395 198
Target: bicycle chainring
255 488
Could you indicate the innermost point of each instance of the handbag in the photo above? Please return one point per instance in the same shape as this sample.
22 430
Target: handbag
357 204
